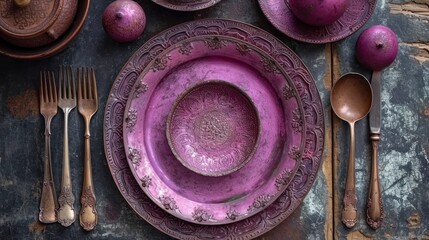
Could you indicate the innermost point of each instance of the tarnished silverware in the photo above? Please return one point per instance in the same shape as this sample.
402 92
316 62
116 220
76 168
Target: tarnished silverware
374 210
67 102
351 100
48 108
87 105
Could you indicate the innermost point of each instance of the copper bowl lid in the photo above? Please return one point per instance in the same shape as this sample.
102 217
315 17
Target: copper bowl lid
48 50
35 23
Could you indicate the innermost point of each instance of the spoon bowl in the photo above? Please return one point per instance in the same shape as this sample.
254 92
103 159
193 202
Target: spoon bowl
351 97
351 100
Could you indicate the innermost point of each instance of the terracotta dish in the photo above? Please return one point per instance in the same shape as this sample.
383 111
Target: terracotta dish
46 36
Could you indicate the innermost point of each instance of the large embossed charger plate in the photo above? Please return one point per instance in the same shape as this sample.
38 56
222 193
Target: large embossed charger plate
306 172
280 15
206 199
186 5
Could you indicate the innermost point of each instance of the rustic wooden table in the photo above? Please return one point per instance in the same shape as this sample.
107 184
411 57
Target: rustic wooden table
404 147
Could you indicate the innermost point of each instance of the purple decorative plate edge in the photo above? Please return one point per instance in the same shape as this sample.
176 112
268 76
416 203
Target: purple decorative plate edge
348 23
116 157
186 6
262 197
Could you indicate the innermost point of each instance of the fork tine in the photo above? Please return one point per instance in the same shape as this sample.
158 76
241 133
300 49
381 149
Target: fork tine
42 92
94 85
73 83
69 80
79 84
53 89
88 83
60 83
45 87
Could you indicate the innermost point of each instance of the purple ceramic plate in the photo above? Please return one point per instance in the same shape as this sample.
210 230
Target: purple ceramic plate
213 128
302 181
279 14
194 197
186 5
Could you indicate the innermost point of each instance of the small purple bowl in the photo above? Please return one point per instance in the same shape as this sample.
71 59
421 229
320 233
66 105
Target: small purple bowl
213 128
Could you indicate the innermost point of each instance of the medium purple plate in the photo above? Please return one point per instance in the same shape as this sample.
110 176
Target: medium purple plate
301 183
186 5
279 14
213 128
184 193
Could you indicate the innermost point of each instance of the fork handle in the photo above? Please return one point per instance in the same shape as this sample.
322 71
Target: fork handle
48 201
66 212
88 213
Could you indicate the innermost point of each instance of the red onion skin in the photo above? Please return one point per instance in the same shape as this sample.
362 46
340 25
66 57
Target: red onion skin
318 12
124 20
377 47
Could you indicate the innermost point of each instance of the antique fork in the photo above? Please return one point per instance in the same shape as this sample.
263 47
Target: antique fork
87 105
67 102
48 108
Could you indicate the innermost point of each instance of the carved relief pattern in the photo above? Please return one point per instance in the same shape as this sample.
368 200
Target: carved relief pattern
375 224
283 179
186 5
209 137
288 93
259 202
281 208
168 203
215 43
270 66
186 48
131 118
243 49
295 153
146 181
201 215
88 199
160 63
232 214
66 197
28 16
141 88
297 122
134 156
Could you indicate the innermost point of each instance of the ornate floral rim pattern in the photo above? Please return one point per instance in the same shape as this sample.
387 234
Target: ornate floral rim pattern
282 149
116 154
186 5
223 156
279 14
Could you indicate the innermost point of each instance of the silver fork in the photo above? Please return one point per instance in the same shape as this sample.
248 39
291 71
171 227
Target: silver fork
87 105
48 108
67 102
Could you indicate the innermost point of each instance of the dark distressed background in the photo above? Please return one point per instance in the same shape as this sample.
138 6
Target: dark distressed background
404 148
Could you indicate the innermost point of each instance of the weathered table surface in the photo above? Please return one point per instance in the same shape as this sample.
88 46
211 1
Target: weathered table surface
404 148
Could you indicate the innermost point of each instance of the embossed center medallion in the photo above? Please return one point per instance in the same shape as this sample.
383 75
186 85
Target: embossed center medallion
213 128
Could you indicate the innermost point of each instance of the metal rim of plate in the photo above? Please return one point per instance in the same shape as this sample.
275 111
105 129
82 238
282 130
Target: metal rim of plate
282 18
186 5
291 197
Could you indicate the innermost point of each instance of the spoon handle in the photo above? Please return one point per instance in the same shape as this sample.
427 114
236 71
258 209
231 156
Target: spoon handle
349 217
374 210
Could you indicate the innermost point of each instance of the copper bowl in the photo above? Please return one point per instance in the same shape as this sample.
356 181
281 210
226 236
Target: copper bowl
53 48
